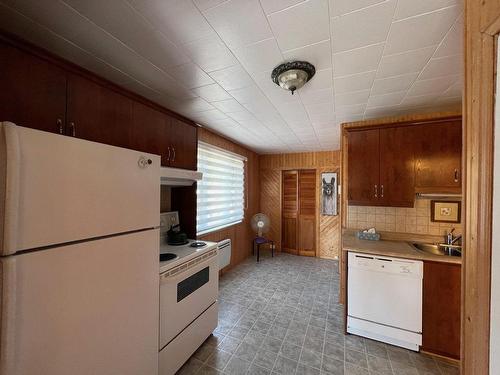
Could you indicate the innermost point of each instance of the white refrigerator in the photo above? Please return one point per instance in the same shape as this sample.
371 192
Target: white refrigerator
79 256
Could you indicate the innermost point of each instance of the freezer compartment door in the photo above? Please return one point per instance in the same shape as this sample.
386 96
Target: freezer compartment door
88 308
57 189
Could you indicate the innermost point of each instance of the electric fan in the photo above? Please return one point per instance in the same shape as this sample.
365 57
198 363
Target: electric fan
260 223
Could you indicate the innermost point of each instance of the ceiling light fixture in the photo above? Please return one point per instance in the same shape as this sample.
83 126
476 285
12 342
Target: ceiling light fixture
293 75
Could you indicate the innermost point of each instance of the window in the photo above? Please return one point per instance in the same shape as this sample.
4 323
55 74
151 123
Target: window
220 194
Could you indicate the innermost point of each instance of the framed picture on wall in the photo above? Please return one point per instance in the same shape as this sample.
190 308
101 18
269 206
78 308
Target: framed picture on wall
329 194
445 211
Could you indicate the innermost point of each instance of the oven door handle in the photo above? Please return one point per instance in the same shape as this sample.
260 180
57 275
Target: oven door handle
195 265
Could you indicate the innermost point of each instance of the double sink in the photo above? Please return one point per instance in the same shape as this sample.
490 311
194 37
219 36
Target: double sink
438 249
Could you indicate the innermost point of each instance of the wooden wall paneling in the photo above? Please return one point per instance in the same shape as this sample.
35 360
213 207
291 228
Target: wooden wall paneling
327 227
482 24
270 202
241 235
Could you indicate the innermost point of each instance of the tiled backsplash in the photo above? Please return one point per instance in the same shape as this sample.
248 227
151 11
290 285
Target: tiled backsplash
402 220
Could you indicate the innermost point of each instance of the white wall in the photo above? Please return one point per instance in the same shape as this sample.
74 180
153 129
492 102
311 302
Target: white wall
495 265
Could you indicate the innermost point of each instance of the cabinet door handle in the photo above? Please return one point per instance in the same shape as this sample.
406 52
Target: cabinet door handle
376 191
72 128
173 156
60 126
168 156
381 191
456 175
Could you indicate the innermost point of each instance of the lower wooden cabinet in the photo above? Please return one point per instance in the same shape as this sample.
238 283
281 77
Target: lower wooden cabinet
441 309
299 212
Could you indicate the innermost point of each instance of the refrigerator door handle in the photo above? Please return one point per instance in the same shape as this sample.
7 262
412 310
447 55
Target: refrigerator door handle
8 322
10 178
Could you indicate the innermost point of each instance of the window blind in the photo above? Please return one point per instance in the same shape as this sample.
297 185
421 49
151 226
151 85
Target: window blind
220 194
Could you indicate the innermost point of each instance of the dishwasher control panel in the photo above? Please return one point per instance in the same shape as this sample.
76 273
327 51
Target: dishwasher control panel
408 267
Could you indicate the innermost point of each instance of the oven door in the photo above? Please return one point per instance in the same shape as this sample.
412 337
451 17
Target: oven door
186 291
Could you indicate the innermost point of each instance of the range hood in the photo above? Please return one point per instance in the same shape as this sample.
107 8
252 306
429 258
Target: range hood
178 177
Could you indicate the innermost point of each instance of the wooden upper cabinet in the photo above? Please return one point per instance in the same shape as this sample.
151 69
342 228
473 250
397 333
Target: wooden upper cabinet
397 168
438 155
441 309
33 91
184 145
98 114
363 162
150 131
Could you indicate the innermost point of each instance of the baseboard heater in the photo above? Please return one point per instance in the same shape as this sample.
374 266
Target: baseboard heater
224 253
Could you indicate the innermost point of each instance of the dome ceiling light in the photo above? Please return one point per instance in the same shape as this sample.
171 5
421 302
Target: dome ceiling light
293 75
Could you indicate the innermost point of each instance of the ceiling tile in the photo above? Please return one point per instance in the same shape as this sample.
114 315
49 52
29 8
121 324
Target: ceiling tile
210 53
317 96
259 57
346 110
338 7
207 4
419 100
393 84
350 98
443 66
242 116
386 100
212 93
123 22
288 25
410 8
239 22
318 54
209 116
190 75
422 31
246 94
196 105
453 42
356 61
363 27
228 106
232 78
454 90
355 82
432 86
403 63
180 20
271 6
321 80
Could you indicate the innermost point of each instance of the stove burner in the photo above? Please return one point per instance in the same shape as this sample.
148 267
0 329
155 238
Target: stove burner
177 243
167 256
198 244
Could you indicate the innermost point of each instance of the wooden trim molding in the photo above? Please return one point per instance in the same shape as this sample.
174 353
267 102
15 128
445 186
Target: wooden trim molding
482 24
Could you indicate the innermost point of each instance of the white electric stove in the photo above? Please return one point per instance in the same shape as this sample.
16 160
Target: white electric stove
189 284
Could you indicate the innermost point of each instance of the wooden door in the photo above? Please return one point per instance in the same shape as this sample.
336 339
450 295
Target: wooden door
363 166
33 91
150 132
307 212
184 145
438 153
397 167
98 114
289 211
441 309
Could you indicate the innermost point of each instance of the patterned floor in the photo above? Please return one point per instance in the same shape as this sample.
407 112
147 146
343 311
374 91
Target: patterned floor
281 316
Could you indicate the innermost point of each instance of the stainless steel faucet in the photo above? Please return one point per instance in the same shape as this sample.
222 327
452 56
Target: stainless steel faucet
450 239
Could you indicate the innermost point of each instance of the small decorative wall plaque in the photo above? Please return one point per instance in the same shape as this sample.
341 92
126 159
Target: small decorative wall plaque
329 193
445 211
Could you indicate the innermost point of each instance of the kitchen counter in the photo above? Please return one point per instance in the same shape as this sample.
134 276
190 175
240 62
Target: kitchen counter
397 249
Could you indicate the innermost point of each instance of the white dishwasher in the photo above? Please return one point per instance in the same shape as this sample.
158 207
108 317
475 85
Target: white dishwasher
384 299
